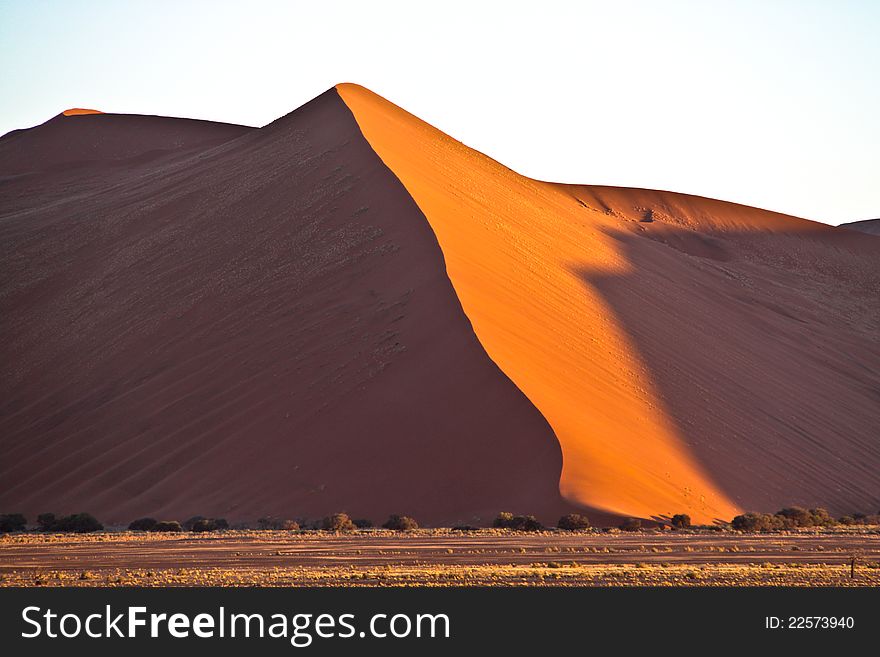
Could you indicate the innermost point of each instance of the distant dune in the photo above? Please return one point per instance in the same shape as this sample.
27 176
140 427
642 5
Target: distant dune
870 226
78 111
349 310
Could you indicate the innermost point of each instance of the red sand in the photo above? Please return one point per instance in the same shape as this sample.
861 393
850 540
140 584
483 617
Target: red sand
204 318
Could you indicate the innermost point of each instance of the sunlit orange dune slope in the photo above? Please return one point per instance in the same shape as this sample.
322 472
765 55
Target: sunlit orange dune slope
691 355
78 111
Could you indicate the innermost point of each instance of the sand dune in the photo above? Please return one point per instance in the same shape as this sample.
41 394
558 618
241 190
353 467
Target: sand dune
262 327
690 355
349 310
870 226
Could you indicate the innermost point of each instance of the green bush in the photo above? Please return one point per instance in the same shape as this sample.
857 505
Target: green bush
338 522
401 523
506 520
142 525
363 523
573 522
12 522
631 525
680 521
167 526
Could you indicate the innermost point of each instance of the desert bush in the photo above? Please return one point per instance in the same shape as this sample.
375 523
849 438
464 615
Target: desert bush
759 522
821 518
506 520
631 525
795 516
203 525
209 525
859 519
12 522
142 524
680 521
189 522
79 523
465 528
362 523
268 522
573 522
338 522
45 522
401 523
167 526
503 520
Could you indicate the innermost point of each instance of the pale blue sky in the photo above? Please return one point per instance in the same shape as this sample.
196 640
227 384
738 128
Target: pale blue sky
773 103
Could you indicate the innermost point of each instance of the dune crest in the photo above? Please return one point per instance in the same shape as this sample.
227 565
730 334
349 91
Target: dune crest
78 111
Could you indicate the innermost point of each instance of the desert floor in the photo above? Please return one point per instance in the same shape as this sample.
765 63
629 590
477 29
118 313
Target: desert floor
442 558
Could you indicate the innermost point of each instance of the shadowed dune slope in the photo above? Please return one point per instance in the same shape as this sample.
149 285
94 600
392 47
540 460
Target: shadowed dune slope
691 355
869 226
93 138
261 326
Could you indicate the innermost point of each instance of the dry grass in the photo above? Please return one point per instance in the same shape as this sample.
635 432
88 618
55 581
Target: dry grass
441 558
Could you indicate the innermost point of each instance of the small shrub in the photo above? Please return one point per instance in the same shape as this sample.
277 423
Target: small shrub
79 523
363 523
795 516
203 525
45 522
268 522
631 525
503 520
209 525
465 528
506 520
573 522
12 522
680 521
338 522
167 526
142 525
401 523
821 518
759 522
189 522
846 520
